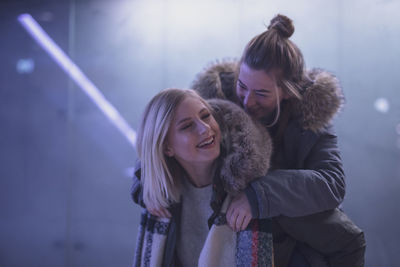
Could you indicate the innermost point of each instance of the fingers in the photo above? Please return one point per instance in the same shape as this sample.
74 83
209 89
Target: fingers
230 219
239 215
165 213
161 212
246 222
229 214
234 218
239 221
154 212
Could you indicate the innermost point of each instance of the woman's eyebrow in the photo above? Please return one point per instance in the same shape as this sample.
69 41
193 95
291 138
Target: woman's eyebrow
188 118
183 120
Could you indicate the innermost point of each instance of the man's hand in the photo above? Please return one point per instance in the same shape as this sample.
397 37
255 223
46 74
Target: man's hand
239 214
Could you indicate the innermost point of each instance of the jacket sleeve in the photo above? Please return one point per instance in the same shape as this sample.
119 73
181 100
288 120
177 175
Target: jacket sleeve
136 189
318 184
331 233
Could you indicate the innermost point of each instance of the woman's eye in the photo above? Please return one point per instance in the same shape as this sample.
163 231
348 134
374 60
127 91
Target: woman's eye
186 126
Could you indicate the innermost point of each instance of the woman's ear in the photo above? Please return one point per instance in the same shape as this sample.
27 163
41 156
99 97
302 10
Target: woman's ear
168 151
285 94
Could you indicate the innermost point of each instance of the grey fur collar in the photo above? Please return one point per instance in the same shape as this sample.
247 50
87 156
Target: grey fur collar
322 100
246 146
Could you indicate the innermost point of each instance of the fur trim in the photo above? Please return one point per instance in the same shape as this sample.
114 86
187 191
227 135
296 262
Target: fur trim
246 146
321 101
218 80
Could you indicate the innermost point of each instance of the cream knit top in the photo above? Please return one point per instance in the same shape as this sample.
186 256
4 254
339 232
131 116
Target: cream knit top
193 230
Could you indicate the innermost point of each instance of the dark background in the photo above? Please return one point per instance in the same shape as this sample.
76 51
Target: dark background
65 170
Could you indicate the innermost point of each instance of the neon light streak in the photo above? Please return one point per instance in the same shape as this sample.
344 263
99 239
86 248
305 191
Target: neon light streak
43 39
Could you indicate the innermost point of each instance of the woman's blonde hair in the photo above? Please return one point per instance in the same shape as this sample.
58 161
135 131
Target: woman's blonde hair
160 175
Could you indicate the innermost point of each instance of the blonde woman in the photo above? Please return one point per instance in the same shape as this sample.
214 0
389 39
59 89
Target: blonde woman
191 167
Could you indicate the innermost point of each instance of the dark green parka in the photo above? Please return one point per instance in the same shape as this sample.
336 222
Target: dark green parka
306 184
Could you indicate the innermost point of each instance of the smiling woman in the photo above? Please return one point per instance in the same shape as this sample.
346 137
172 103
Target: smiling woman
193 139
194 153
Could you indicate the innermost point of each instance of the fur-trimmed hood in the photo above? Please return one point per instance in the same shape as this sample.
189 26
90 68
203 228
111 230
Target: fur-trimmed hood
246 146
321 101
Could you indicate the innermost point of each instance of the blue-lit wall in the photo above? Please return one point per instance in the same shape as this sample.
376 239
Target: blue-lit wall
65 169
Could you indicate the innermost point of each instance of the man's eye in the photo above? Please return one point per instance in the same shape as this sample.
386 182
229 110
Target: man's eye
241 85
262 95
205 116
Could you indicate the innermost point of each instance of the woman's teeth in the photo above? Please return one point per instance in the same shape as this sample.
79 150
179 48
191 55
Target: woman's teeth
207 142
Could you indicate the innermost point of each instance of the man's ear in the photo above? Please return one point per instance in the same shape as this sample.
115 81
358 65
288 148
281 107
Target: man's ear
168 151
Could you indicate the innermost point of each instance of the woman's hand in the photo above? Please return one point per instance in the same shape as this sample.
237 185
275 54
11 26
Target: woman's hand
161 212
239 214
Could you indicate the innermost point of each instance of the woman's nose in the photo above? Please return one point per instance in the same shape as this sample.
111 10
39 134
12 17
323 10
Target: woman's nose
248 100
203 127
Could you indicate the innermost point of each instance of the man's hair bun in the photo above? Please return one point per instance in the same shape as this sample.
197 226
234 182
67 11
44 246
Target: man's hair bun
282 25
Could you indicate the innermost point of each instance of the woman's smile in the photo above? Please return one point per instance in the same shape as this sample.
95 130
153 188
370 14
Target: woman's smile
207 143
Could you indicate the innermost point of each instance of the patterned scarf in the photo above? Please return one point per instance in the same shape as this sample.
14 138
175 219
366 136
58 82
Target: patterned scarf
253 245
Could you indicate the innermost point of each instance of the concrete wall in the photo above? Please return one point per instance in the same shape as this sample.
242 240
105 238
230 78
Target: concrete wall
65 169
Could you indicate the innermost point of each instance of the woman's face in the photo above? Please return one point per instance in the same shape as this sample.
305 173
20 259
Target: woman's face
258 91
194 136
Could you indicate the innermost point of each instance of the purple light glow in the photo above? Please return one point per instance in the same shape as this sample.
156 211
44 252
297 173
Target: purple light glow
42 38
